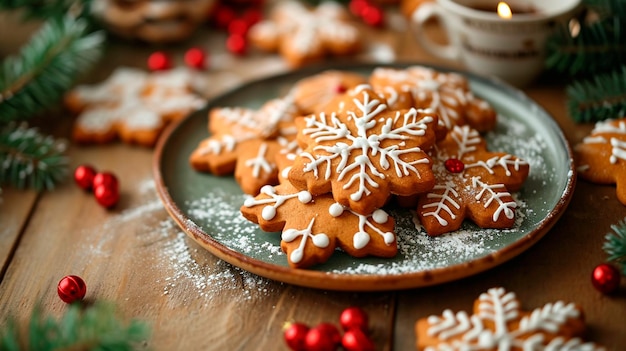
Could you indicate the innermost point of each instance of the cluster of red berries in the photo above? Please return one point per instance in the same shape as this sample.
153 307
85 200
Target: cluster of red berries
194 58
368 12
104 185
236 18
327 337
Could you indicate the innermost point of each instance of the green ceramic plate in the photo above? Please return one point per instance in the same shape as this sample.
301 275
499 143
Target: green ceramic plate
207 207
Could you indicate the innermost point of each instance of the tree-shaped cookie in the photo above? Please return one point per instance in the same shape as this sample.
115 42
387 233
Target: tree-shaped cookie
602 155
243 141
303 35
499 323
471 183
313 227
131 105
362 151
448 94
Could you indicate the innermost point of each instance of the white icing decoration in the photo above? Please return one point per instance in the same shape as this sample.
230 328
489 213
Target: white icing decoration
259 162
335 140
380 216
320 240
501 309
275 200
335 210
447 200
618 150
495 192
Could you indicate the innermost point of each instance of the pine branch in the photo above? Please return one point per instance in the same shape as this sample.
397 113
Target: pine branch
29 159
615 245
43 9
598 47
46 67
96 327
600 98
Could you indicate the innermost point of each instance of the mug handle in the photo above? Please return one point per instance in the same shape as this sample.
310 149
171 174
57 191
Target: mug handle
420 16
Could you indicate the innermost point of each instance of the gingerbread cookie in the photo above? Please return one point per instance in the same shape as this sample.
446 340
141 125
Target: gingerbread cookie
155 21
601 156
498 323
244 141
362 151
314 226
132 105
448 94
303 35
311 94
471 183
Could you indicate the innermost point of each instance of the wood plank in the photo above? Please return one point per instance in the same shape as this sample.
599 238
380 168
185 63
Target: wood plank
15 208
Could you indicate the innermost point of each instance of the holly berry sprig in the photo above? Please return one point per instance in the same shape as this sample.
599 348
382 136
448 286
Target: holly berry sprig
327 337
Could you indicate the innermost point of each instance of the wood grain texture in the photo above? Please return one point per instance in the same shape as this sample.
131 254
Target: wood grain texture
136 257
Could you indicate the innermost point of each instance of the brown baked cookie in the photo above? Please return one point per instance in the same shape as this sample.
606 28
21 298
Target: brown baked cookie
303 35
601 156
131 105
314 226
498 322
448 94
244 141
312 93
362 151
471 183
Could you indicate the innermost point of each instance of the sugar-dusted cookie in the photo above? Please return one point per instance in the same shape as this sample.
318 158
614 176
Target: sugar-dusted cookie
499 323
471 183
131 105
312 93
601 156
244 141
448 94
303 35
314 226
362 151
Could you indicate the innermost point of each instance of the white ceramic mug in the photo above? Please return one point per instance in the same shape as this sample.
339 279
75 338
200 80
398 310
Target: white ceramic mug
512 49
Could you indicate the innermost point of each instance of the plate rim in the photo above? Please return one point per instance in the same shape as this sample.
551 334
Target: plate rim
364 282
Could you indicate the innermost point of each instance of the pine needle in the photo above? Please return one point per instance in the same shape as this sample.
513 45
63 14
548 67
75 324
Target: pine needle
615 245
46 67
600 98
96 327
30 159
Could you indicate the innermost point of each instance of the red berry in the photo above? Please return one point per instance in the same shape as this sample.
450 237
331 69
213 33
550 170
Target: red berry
606 278
356 340
71 288
238 26
195 58
353 318
324 337
83 175
236 44
295 334
223 16
454 165
107 179
373 16
106 196
252 16
159 61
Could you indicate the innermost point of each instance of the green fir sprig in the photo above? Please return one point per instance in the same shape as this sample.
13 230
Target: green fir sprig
96 327
46 67
31 159
599 98
615 245
43 9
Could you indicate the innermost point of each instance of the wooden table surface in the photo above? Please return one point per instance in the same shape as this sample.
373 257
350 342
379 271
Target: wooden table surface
136 257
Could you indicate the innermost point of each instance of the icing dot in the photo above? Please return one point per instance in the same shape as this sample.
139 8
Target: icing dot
321 240
249 202
389 238
267 189
380 216
360 240
289 235
335 210
454 165
268 213
305 197
296 256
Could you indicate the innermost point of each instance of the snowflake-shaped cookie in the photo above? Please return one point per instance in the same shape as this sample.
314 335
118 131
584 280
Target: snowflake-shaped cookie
602 155
470 183
362 151
312 93
498 323
313 227
244 141
448 94
132 105
303 35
